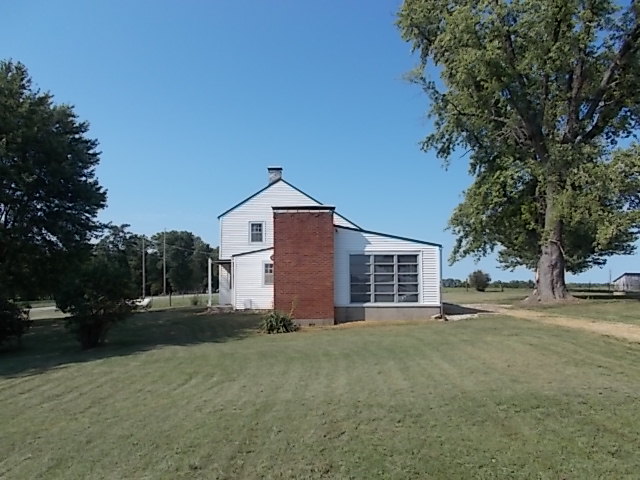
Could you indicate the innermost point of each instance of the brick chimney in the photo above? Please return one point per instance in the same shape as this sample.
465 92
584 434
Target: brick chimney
275 174
303 263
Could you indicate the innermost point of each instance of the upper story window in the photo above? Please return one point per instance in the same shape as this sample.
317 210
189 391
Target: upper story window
389 278
256 232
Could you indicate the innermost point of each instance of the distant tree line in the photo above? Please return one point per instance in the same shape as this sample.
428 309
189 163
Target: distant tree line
186 262
52 244
457 283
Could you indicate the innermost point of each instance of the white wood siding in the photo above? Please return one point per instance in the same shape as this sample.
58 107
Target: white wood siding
348 242
234 226
249 290
224 289
628 283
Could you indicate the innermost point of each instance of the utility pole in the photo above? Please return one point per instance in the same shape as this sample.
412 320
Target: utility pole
144 290
209 265
164 263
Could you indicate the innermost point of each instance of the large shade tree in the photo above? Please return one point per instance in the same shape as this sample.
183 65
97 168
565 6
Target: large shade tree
542 94
49 195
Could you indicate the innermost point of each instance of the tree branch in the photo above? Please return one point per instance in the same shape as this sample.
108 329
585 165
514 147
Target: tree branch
628 46
522 105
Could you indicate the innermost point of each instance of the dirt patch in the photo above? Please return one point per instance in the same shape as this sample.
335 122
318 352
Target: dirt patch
612 329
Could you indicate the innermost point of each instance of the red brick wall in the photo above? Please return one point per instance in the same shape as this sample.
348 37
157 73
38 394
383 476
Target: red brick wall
303 263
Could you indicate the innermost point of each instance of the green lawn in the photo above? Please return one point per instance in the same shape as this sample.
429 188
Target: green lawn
610 310
186 300
462 295
178 395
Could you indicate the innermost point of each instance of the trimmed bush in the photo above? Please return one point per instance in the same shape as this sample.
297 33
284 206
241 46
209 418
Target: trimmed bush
479 280
278 322
14 321
99 294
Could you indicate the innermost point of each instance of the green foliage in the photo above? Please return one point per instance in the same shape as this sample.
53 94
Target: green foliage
278 322
187 256
540 93
98 295
195 300
479 280
49 194
14 321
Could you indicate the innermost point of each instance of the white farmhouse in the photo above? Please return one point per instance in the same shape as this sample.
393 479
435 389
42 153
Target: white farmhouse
282 249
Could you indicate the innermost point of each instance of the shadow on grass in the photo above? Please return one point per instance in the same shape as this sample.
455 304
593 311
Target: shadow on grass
454 309
50 345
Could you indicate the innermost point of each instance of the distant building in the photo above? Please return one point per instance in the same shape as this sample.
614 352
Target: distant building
627 282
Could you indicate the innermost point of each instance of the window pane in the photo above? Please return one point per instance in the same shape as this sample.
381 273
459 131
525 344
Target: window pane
407 288
360 278
360 288
406 278
384 298
358 259
385 288
360 269
360 298
256 232
384 278
407 259
383 259
268 268
408 298
407 268
383 269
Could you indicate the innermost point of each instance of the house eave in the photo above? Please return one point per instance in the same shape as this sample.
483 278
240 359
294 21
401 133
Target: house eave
396 237
290 185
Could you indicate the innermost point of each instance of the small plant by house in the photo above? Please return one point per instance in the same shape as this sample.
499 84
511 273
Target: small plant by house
278 322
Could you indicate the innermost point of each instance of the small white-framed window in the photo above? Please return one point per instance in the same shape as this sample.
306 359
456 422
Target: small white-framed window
256 232
267 273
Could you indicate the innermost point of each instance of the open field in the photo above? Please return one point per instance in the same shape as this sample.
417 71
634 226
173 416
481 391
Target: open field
461 295
180 395
186 300
46 309
619 310
596 305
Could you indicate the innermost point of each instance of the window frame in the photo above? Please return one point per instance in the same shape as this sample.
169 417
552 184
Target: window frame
384 285
264 274
264 233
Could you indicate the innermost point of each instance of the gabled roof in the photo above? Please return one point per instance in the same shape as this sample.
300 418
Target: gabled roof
390 236
629 274
286 183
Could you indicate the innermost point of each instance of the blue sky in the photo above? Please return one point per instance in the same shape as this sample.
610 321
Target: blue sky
192 100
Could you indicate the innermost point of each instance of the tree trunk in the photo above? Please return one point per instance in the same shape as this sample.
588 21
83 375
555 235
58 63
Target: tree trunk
550 284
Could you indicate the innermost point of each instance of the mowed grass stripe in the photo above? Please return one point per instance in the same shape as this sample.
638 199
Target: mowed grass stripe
190 396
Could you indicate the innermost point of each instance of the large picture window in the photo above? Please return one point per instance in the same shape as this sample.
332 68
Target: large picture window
388 278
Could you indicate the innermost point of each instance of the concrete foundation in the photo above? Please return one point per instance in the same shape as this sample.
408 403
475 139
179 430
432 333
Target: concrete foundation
390 313
313 322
